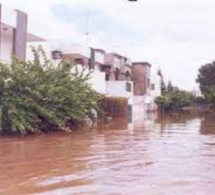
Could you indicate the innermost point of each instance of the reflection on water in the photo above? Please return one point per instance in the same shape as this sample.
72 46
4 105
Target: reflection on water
169 154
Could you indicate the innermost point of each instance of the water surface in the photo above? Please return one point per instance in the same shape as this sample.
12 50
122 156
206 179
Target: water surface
169 155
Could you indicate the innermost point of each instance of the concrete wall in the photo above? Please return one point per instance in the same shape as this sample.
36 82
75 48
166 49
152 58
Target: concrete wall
99 57
13 32
155 79
138 109
6 46
98 81
118 89
113 60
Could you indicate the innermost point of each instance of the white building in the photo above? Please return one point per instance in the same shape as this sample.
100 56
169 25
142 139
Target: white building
14 34
78 55
197 93
112 74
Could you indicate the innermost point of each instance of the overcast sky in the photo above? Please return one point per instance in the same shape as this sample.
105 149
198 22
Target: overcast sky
176 35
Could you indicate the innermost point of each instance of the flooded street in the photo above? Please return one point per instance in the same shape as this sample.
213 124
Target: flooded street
169 155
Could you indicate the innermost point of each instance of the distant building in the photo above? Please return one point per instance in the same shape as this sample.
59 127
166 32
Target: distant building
146 88
141 72
197 93
112 74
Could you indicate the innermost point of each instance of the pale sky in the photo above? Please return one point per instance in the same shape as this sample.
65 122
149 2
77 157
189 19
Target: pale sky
176 35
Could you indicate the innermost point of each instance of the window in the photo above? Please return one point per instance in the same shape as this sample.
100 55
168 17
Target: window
79 61
57 55
148 83
152 86
127 76
116 73
107 77
128 87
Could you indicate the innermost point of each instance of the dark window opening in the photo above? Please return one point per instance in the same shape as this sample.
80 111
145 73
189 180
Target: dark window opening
127 76
57 55
128 87
116 73
107 77
148 83
152 86
79 61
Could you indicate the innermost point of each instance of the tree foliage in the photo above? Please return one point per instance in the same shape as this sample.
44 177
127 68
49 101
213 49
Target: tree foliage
163 85
38 96
174 100
170 87
206 80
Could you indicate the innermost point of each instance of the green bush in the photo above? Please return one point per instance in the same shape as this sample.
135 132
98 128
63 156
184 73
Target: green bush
38 96
174 100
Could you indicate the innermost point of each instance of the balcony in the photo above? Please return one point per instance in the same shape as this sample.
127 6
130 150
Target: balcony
119 88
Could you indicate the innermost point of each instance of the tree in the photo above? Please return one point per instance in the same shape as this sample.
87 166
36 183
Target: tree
206 80
39 97
163 85
170 87
175 100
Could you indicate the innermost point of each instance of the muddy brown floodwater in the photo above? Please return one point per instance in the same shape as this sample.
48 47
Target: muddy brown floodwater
172 155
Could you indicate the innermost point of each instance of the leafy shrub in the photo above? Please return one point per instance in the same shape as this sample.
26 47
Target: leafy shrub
175 100
38 96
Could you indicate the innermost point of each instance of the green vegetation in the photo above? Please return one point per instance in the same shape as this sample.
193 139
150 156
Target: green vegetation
163 85
206 80
176 100
38 96
172 98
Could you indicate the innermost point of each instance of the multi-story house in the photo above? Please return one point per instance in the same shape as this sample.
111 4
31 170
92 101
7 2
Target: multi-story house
146 88
14 35
112 74
81 56
117 71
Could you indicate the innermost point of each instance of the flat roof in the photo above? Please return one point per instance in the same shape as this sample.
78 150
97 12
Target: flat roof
142 63
30 37
99 50
34 38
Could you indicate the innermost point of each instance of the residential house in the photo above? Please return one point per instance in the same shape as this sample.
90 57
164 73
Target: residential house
79 55
14 34
112 74
146 89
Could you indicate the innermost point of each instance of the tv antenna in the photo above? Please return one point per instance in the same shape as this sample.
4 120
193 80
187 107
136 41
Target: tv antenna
87 32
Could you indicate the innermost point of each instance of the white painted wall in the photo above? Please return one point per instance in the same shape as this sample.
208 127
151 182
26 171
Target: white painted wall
100 57
98 81
138 109
118 89
155 79
97 78
117 62
6 46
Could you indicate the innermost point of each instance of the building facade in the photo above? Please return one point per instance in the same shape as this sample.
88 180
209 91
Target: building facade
14 34
146 89
112 74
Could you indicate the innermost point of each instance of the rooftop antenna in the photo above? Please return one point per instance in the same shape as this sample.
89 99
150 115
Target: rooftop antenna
87 32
